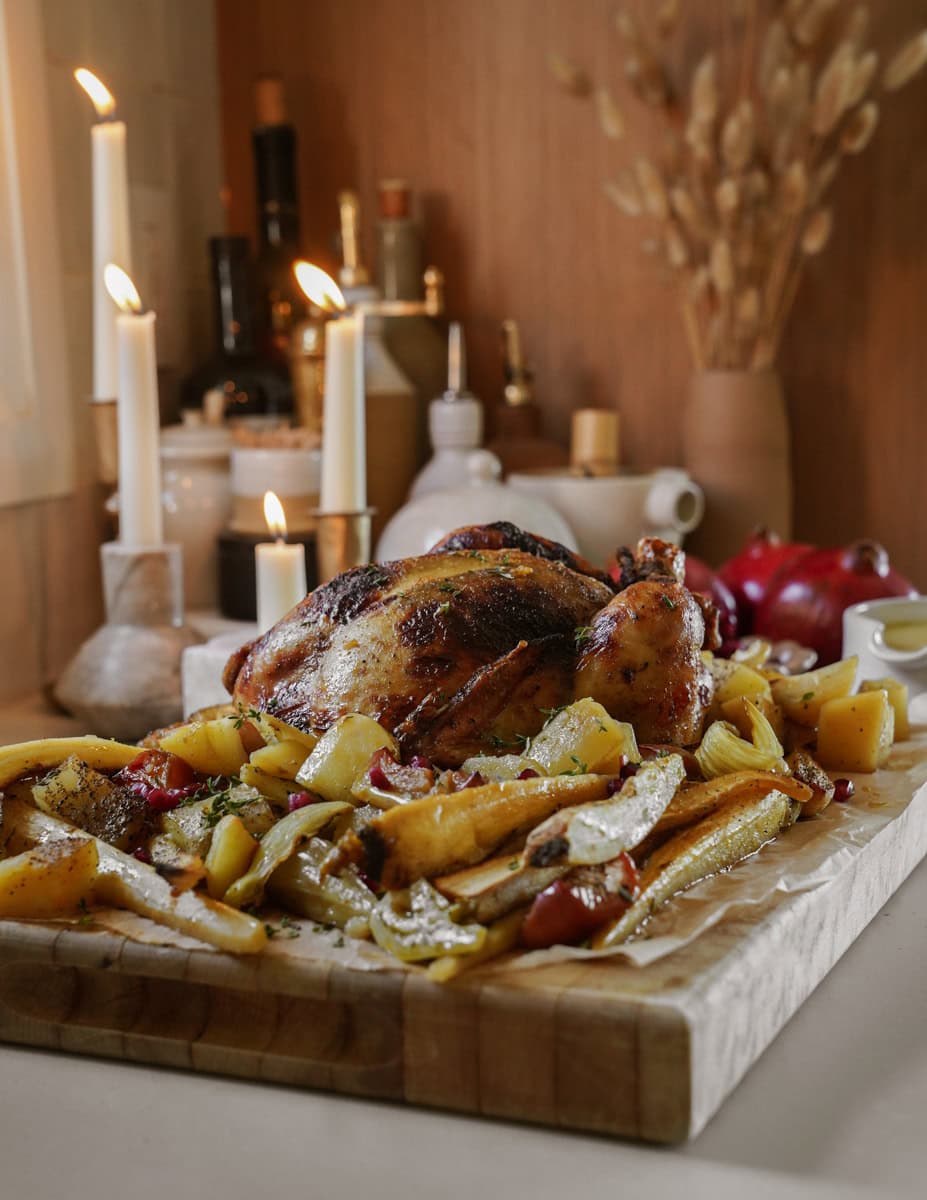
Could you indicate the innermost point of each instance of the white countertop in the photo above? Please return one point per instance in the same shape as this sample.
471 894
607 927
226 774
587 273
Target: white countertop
837 1106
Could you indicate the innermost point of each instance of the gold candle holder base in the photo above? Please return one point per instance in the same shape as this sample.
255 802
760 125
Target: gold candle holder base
105 425
343 541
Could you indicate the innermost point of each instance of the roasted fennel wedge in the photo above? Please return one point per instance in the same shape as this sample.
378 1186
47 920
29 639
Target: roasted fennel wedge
734 831
595 833
439 833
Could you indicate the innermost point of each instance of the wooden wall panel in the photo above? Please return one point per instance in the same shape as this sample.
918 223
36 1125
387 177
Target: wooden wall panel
455 95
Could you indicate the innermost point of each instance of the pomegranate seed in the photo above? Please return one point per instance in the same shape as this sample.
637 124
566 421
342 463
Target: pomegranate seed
297 800
423 763
613 785
473 781
844 790
629 769
528 773
367 881
141 854
161 800
379 778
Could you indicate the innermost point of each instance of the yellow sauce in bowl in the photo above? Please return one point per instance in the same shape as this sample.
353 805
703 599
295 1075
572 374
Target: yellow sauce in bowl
906 635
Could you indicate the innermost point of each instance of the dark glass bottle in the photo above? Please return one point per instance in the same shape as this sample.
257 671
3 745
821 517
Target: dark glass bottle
280 302
253 384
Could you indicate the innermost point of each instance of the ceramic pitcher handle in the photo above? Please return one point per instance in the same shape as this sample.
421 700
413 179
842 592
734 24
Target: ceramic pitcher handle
675 502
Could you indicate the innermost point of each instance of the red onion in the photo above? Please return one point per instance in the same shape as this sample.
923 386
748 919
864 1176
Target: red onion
806 599
701 578
749 573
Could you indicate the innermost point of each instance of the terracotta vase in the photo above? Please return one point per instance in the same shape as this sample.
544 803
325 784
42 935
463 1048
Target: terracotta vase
736 445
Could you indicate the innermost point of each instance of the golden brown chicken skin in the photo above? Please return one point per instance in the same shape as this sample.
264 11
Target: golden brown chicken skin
641 658
465 650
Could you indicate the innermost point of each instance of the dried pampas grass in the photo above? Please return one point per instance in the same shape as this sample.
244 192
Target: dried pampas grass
736 189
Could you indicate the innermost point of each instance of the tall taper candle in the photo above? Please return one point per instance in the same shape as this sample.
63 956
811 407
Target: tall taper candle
140 521
344 451
111 239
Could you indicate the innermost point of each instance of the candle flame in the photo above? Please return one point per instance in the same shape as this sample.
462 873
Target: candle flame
121 288
318 287
274 516
103 99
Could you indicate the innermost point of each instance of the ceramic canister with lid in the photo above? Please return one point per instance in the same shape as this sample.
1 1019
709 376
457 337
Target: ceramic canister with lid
197 503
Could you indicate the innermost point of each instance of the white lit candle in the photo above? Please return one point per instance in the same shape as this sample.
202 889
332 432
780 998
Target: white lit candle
344 452
137 395
111 242
280 569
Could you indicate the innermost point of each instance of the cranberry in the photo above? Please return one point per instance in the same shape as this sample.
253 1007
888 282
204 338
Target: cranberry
423 763
844 790
297 800
528 773
141 854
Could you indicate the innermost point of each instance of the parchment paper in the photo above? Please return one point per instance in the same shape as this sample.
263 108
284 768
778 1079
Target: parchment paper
807 856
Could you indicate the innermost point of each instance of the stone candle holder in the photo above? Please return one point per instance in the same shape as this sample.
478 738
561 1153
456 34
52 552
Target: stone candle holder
125 679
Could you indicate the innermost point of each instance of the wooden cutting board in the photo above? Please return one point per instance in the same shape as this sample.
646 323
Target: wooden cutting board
648 1052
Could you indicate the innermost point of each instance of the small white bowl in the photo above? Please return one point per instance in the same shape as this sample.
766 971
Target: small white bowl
864 627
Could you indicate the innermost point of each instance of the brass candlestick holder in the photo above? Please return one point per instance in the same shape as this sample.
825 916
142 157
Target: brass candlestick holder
125 679
343 541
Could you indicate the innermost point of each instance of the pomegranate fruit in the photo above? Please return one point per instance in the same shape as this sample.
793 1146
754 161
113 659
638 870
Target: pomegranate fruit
701 578
806 599
749 573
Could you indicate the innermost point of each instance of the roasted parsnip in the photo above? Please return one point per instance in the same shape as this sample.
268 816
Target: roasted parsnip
734 831
27 758
492 888
124 882
49 880
440 833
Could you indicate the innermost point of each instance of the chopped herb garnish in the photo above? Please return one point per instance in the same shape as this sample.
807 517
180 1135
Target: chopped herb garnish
514 864
475 554
86 917
517 739
550 713
501 572
807 696
442 609
246 714
339 940
580 767
273 705
582 634
669 602
626 894
288 928
447 585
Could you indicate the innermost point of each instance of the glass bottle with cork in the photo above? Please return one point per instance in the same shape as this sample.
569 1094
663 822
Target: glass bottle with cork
517 438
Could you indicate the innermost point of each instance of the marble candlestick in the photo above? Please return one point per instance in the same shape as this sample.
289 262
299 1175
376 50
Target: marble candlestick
125 679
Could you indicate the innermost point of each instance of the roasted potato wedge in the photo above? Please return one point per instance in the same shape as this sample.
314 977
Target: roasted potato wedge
496 768
596 833
734 831
583 738
210 747
28 758
230 855
440 833
281 759
807 771
83 797
801 697
342 755
124 882
50 880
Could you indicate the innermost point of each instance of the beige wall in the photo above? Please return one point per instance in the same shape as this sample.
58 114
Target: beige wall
158 57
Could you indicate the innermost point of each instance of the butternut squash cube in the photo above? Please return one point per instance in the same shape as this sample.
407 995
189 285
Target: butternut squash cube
342 755
855 732
280 759
801 697
210 747
897 698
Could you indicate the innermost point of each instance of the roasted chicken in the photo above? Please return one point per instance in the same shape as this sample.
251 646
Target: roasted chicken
465 650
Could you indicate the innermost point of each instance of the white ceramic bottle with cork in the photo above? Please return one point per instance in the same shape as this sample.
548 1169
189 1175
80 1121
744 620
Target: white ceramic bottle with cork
455 424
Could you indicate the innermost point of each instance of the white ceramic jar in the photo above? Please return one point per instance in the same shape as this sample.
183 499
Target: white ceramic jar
196 497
